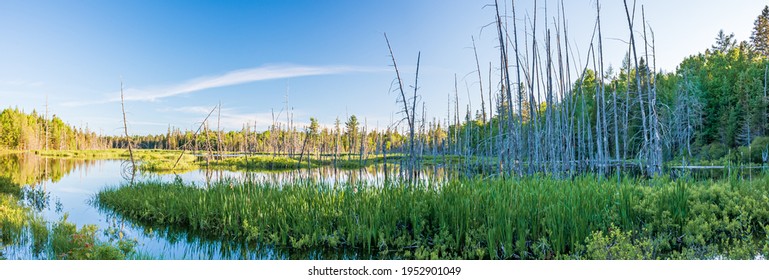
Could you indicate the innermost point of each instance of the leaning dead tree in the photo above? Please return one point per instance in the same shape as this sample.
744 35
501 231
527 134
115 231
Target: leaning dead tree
409 109
125 130
194 135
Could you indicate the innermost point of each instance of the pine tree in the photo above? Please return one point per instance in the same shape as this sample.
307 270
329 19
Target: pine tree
760 36
352 132
314 131
723 42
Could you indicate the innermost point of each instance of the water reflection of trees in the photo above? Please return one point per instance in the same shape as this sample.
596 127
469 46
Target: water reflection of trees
31 173
374 174
26 169
23 232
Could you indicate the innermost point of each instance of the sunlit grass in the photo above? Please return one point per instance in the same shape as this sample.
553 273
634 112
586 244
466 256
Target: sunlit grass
535 217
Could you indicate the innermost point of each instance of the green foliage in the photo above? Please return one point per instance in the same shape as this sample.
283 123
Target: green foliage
760 36
22 131
69 243
713 151
616 245
729 80
754 152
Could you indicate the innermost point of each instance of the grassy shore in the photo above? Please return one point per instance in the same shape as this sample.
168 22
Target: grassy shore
531 218
166 160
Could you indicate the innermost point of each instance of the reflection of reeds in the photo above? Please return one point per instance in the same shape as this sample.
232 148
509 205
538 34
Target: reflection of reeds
29 235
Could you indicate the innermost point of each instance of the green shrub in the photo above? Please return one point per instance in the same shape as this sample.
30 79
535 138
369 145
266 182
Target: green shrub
713 151
617 245
753 153
69 243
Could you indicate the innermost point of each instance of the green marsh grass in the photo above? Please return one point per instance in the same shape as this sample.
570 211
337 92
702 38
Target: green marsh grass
535 217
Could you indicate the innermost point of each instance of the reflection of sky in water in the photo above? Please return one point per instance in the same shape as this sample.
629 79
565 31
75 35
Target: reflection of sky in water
72 194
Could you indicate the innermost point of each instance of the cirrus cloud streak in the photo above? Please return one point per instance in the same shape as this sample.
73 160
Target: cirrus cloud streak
236 77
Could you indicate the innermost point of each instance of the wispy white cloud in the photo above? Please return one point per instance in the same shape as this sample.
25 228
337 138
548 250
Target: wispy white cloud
242 76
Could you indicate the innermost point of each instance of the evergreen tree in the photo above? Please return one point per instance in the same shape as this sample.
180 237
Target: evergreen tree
723 42
314 131
314 127
352 132
760 36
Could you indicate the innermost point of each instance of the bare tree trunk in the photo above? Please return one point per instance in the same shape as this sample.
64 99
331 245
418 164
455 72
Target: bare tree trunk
603 130
301 153
480 80
616 130
569 154
410 112
336 143
655 150
506 76
208 144
638 86
194 138
457 127
121 104
549 119
219 131
626 118
533 108
125 130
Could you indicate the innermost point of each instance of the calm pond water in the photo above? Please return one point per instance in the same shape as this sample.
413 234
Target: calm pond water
59 187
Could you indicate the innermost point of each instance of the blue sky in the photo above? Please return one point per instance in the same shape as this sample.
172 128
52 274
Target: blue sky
178 59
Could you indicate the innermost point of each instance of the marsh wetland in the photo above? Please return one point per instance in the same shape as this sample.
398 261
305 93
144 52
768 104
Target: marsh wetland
322 213
564 157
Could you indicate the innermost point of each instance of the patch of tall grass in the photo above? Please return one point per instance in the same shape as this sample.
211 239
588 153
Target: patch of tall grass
158 162
533 217
83 154
259 163
284 162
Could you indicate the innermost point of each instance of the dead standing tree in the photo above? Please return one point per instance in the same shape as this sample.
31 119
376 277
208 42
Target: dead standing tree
132 169
643 156
655 149
408 109
194 136
507 86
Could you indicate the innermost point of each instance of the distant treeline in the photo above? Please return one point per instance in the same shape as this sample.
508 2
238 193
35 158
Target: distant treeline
349 137
35 131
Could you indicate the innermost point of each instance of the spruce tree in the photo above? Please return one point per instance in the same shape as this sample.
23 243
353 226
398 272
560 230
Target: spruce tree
724 42
760 36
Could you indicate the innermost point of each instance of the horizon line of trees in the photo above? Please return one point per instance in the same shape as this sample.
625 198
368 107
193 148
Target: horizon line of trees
35 131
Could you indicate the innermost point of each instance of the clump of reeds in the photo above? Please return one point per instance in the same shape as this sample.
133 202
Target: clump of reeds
535 217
